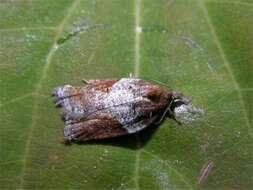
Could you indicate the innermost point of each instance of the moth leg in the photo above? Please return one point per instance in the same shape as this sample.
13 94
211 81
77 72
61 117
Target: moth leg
168 109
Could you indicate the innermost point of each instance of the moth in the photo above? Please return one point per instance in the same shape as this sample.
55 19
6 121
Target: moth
107 108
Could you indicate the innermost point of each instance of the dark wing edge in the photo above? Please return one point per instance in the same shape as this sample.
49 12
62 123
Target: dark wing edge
102 129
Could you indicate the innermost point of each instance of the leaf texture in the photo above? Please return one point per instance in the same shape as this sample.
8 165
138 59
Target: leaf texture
201 47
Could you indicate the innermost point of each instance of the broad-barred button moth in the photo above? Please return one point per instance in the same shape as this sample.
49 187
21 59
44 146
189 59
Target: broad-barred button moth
114 107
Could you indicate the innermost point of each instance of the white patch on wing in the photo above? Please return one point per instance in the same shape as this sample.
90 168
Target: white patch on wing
133 128
123 92
66 105
60 90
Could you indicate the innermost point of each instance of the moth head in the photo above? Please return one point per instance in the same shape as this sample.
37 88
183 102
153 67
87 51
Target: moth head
181 108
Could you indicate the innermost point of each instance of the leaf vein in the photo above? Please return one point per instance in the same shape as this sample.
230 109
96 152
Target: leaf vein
137 8
137 163
225 62
39 87
27 28
16 99
137 38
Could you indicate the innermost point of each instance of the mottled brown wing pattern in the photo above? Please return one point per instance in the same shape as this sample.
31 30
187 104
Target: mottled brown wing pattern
108 108
77 102
98 128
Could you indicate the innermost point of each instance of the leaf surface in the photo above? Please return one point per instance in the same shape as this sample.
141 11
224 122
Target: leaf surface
200 47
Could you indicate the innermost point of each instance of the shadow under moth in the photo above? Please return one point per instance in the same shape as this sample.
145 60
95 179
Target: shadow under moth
114 107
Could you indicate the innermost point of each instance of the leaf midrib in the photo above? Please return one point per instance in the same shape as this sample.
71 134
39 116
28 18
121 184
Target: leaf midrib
137 10
137 63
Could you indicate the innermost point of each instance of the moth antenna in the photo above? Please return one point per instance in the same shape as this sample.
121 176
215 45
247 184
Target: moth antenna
167 110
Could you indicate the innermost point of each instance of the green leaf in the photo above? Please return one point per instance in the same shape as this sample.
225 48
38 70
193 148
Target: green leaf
201 47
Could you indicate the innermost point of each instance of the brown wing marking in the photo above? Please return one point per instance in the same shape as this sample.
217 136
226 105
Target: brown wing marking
102 129
77 101
93 129
102 82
